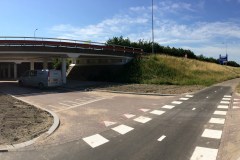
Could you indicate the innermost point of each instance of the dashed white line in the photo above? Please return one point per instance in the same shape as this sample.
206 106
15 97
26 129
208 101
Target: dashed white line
222 106
189 96
129 115
210 133
202 153
95 140
184 99
122 129
236 107
225 102
227 96
193 109
161 138
142 119
217 120
157 112
220 113
168 107
176 102
226 99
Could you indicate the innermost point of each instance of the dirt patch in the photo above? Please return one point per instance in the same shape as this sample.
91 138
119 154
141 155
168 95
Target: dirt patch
20 121
149 88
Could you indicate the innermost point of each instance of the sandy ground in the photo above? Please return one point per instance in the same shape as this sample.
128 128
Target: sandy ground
148 88
20 122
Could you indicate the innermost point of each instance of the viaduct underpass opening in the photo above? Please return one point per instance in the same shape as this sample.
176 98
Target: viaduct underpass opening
18 54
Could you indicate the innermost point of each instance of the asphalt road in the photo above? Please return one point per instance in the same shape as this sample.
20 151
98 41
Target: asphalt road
190 130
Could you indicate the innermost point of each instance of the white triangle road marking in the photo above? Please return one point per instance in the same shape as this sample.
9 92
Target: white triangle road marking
109 123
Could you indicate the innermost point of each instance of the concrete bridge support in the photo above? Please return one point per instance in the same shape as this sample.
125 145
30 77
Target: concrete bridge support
32 65
64 70
15 70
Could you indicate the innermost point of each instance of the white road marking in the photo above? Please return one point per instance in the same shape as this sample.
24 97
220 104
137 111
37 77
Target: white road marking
81 100
236 102
210 133
220 113
71 102
227 96
236 107
207 97
157 112
144 110
201 153
217 120
176 102
168 106
225 102
235 99
226 99
57 107
184 99
161 138
189 96
142 119
88 102
215 91
222 107
122 129
129 115
66 104
194 109
95 140
109 123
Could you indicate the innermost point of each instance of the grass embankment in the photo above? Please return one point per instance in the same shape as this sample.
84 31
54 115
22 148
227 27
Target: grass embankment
162 69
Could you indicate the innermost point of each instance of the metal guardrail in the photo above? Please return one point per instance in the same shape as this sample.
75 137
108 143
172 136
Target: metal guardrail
67 43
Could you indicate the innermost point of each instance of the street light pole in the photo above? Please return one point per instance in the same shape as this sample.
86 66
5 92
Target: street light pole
35 32
152 31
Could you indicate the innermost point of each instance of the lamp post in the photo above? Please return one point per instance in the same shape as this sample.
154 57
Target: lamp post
35 32
152 31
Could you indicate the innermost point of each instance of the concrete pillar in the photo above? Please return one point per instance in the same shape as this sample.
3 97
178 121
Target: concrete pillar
4 71
45 64
15 70
64 66
31 65
9 70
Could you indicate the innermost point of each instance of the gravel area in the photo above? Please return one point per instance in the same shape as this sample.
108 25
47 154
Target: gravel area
20 121
149 88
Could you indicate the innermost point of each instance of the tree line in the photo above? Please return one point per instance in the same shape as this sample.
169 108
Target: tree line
159 49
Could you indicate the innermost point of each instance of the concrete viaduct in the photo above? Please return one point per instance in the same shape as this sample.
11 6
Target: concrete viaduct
37 52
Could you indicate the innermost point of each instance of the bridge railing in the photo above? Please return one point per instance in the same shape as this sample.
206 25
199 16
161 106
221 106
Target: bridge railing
67 43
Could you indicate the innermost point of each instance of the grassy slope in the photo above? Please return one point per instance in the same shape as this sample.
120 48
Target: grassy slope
162 69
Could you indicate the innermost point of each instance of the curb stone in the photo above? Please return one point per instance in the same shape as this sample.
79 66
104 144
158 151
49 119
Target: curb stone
56 123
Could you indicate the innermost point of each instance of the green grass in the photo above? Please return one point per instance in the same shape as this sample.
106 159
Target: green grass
162 69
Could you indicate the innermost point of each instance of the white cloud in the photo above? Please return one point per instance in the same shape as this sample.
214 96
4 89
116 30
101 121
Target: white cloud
200 36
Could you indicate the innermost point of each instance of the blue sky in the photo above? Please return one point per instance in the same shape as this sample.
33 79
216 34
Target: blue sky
203 26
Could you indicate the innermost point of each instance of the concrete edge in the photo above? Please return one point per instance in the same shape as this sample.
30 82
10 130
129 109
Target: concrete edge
135 93
55 125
